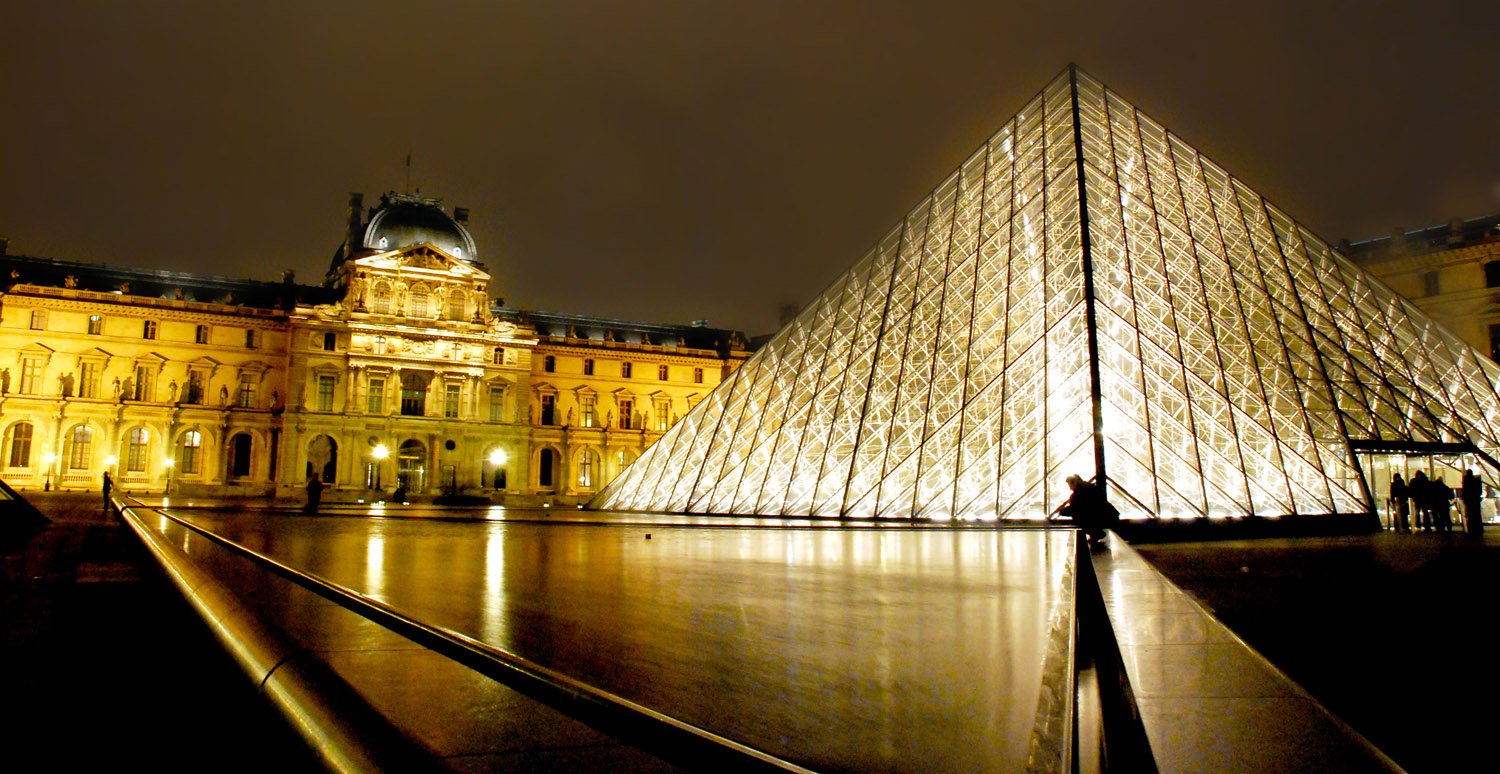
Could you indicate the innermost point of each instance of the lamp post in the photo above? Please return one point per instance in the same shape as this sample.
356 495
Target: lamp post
169 464
49 459
379 453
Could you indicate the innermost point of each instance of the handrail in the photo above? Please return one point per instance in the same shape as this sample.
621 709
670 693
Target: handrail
631 723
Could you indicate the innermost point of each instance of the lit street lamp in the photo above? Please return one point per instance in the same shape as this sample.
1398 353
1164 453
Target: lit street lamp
379 453
48 459
498 458
169 464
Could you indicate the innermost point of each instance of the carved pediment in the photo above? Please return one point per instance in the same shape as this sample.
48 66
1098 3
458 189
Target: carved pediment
424 257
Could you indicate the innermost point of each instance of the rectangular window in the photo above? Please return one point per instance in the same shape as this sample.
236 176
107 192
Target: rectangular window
197 385
1430 283
549 364
697 376
39 319
20 445
200 334
145 383
497 404
661 373
1492 274
413 397
450 400
330 341
663 419
31 376
586 404
246 395
250 339
88 380
588 366
499 356
625 370
376 397
135 458
325 393
96 324
379 346
549 409
626 407
148 329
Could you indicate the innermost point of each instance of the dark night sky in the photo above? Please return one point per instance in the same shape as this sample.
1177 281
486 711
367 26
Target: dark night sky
670 161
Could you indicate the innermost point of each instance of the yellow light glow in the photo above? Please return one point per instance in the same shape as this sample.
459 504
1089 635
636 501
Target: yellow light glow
169 462
498 457
49 458
111 461
380 452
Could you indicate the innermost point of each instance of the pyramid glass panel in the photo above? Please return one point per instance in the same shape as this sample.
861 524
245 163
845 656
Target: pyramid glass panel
1086 294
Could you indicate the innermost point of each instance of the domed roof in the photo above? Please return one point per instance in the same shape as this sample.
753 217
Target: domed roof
403 220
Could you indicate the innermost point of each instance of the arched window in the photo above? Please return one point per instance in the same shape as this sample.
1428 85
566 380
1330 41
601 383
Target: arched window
20 445
137 449
380 300
413 395
187 456
588 465
418 302
323 458
80 448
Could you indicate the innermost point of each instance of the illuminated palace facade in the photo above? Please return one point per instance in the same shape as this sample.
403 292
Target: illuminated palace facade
398 369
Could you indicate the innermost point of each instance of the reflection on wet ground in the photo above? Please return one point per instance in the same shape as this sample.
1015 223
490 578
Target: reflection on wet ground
849 649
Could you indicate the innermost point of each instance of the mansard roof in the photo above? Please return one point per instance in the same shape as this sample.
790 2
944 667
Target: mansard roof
156 283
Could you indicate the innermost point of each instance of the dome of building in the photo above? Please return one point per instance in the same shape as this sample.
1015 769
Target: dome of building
404 220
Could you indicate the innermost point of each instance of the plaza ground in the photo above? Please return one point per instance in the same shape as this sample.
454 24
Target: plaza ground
103 662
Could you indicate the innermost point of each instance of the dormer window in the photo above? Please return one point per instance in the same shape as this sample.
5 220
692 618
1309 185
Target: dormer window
384 243
458 252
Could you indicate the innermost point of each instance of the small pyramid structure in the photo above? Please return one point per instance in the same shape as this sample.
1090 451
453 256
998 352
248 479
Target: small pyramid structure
1085 294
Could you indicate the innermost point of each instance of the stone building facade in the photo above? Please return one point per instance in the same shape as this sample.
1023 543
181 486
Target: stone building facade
397 370
1452 272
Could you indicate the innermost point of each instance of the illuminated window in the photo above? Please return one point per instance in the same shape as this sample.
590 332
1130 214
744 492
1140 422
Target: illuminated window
586 407
148 329
588 366
376 398
697 375
80 448
39 319
20 445
451 393
137 449
246 395
187 455
549 364
96 324
663 413
625 370
626 407
325 393
661 373
200 334
587 463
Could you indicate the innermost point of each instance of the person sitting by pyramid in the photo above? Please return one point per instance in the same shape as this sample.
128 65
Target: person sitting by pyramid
1088 509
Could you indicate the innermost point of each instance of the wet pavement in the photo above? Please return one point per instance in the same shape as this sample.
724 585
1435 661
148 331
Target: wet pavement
842 650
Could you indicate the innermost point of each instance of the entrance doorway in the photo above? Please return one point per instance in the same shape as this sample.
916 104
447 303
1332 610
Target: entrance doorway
1448 468
411 466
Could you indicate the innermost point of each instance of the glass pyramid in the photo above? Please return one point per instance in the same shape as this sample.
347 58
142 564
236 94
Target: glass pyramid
1085 294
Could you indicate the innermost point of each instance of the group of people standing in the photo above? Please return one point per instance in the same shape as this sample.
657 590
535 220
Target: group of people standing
1426 504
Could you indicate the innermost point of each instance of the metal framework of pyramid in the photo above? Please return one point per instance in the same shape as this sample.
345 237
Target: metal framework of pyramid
1085 294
